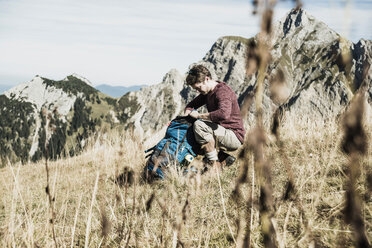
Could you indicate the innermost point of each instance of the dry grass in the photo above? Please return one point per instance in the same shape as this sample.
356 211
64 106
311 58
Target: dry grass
91 210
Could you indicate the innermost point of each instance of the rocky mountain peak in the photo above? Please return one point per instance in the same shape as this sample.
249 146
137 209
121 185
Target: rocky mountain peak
41 95
294 19
81 78
173 78
299 26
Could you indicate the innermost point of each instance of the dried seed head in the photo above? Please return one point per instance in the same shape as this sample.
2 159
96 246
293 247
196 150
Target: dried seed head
243 151
279 90
253 58
369 181
268 230
289 191
105 223
185 209
255 6
266 24
126 178
355 139
298 4
242 178
353 215
235 194
149 202
276 123
247 102
346 56
349 208
256 136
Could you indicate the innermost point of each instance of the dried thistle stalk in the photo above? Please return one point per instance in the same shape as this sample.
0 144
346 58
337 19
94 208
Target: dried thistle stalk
49 127
354 145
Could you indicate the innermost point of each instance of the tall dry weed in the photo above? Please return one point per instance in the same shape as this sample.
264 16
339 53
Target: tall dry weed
355 145
49 128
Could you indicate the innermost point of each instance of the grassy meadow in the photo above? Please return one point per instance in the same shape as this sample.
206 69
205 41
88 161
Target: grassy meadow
85 206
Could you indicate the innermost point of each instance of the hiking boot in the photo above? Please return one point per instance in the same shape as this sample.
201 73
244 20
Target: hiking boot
226 159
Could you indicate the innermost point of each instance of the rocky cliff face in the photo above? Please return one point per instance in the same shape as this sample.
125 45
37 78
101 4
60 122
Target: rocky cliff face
318 84
40 96
362 63
152 107
312 57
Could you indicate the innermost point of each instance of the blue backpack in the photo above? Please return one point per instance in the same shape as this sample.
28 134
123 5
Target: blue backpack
178 146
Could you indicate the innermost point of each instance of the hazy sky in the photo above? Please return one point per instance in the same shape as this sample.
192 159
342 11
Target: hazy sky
123 42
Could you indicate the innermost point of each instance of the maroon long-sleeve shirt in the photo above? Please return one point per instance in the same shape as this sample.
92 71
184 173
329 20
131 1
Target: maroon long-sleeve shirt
223 108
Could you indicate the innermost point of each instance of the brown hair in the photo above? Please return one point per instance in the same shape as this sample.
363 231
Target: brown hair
197 74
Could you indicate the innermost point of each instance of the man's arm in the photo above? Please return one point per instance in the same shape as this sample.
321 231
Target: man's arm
196 115
196 103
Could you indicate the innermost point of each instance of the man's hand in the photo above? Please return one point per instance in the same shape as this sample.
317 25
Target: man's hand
187 112
194 114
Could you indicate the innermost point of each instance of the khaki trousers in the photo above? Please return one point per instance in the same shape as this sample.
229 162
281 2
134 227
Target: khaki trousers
206 131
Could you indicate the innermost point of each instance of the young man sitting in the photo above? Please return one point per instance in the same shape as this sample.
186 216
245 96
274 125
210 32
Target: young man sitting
222 126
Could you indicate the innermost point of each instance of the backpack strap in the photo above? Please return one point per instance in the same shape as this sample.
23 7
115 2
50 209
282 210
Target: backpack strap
183 140
150 149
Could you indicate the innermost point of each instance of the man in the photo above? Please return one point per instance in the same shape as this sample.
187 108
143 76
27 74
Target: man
222 126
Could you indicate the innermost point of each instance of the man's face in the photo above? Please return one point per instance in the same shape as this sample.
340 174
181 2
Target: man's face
201 87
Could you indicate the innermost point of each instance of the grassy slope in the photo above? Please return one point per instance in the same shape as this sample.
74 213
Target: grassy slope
99 111
312 152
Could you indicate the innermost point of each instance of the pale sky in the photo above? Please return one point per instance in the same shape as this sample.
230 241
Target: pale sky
123 42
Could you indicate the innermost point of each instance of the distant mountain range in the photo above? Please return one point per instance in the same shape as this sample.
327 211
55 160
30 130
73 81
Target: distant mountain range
113 91
117 91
